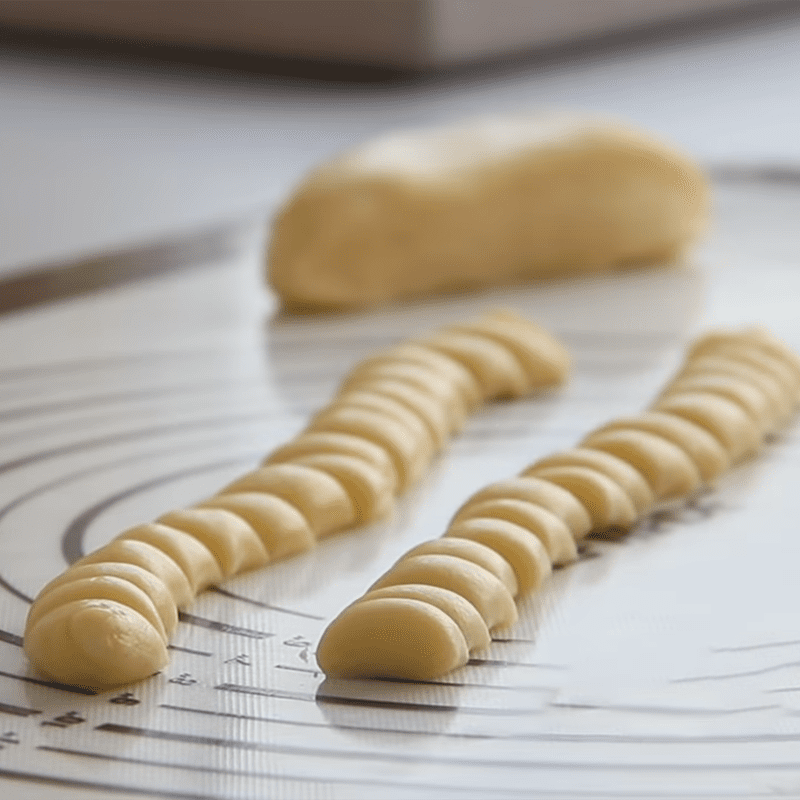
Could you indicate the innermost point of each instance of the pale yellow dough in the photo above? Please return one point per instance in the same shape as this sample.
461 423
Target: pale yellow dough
369 488
606 501
427 370
563 503
705 450
485 202
473 551
721 417
148 557
461 611
149 583
498 372
716 411
667 468
543 524
280 525
105 587
523 551
195 560
233 542
546 361
319 497
315 443
781 400
107 619
437 417
630 480
392 637
485 591
95 644
408 445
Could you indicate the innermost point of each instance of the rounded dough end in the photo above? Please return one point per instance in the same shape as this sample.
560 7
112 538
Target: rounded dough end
392 637
95 644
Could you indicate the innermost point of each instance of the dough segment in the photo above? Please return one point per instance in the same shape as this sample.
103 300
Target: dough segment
474 583
320 498
668 469
491 201
621 472
563 503
397 636
106 620
608 482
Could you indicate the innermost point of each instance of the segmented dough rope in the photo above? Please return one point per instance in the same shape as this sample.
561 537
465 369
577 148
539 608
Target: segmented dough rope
440 601
108 618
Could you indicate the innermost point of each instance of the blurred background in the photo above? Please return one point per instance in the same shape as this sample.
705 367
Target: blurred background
142 120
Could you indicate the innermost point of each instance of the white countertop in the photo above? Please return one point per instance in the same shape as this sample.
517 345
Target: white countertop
93 156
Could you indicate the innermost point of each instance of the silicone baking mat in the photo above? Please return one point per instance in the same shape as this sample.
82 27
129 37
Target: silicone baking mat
666 664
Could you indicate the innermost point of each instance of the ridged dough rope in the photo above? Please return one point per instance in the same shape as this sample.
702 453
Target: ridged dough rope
490 201
440 601
107 620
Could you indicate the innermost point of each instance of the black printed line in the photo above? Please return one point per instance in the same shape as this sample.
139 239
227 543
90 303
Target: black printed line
500 662
72 539
748 674
746 647
138 434
12 590
459 684
449 684
397 705
11 638
261 604
49 684
282 776
659 740
633 709
361 702
394 705
189 650
123 397
328 725
783 173
76 278
543 738
428 758
259 691
83 473
18 711
514 641
222 627
51 369
305 670
73 783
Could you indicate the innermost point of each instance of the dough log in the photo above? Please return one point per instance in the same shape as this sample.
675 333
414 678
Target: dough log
492 201
108 618
533 522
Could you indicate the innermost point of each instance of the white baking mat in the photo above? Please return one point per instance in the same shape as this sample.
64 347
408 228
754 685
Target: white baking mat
664 665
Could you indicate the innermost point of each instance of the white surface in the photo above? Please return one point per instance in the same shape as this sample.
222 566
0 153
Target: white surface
187 372
666 666
92 157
